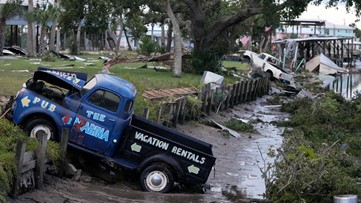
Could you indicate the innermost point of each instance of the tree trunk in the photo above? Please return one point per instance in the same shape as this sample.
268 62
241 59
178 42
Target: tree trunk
52 35
2 34
126 37
78 33
162 44
169 37
177 61
42 43
121 25
30 40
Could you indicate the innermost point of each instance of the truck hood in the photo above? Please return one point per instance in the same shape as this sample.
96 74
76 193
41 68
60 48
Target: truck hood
64 79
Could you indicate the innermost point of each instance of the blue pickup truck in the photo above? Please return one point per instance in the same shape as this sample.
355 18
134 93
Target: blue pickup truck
99 115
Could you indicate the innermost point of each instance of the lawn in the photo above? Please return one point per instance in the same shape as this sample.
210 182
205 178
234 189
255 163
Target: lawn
14 72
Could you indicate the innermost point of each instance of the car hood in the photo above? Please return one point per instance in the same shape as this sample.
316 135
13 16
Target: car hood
64 79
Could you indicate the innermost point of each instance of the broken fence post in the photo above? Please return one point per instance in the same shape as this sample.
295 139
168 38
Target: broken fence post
159 114
40 158
19 161
146 113
63 147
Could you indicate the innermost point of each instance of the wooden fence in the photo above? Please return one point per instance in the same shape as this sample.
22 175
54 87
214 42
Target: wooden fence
213 100
31 165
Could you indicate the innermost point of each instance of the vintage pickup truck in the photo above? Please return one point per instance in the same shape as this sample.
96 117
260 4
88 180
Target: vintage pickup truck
270 65
99 115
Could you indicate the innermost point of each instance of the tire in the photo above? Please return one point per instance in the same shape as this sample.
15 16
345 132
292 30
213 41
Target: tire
246 60
34 126
156 178
270 75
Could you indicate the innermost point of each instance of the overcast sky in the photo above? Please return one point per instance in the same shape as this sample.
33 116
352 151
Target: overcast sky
336 16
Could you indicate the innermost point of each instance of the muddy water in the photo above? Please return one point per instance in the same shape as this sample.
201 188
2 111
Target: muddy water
239 159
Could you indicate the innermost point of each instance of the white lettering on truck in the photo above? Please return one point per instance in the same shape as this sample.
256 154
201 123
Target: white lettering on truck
188 155
164 145
151 140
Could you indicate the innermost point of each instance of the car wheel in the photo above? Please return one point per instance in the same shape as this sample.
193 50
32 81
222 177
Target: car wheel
246 60
270 75
34 126
156 178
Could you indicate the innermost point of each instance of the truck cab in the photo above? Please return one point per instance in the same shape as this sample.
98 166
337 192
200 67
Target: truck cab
93 110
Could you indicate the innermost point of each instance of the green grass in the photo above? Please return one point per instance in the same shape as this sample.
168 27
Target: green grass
14 72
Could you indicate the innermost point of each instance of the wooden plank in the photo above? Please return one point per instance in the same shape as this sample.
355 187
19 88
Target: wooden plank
245 92
28 166
236 94
205 101
250 89
241 91
182 112
19 160
159 114
146 113
210 102
40 159
28 156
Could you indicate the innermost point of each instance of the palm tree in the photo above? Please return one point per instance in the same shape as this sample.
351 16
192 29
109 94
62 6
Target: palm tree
10 9
43 14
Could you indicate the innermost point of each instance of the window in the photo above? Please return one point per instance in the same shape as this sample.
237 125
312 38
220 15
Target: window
262 56
105 99
128 106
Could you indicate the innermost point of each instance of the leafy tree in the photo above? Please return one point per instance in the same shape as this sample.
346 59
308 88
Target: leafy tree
10 9
211 20
357 31
43 14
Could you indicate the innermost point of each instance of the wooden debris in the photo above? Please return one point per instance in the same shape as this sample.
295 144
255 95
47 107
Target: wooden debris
157 94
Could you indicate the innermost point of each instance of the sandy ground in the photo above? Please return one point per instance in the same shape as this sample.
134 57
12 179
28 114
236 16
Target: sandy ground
237 170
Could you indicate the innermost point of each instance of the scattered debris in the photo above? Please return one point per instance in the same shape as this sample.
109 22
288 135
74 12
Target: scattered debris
157 94
230 131
17 51
323 64
163 57
213 79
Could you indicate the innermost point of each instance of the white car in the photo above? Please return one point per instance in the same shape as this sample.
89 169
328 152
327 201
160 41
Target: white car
270 65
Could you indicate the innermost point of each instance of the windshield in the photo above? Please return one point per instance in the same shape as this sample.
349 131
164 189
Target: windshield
89 85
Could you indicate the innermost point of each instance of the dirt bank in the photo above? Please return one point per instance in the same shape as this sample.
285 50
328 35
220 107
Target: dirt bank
236 173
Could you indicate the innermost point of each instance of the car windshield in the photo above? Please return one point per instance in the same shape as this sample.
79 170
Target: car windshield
89 85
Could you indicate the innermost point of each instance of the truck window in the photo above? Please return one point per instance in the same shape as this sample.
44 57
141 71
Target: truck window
128 106
105 99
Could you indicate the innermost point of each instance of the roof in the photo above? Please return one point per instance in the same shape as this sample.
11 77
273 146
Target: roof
315 39
334 26
317 22
124 87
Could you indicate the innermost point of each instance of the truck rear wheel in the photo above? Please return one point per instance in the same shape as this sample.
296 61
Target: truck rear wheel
38 124
156 178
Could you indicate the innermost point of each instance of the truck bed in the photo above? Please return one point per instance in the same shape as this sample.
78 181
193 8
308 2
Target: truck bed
146 140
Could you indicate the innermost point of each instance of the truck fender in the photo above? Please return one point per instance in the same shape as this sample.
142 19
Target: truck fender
47 116
163 158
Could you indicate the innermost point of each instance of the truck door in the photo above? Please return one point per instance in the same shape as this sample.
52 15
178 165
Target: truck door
96 121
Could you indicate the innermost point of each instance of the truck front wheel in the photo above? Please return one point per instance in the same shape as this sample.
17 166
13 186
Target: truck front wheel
34 126
156 178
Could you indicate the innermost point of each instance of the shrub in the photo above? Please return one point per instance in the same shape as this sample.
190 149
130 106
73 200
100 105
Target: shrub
48 56
10 135
148 46
238 125
319 156
205 61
